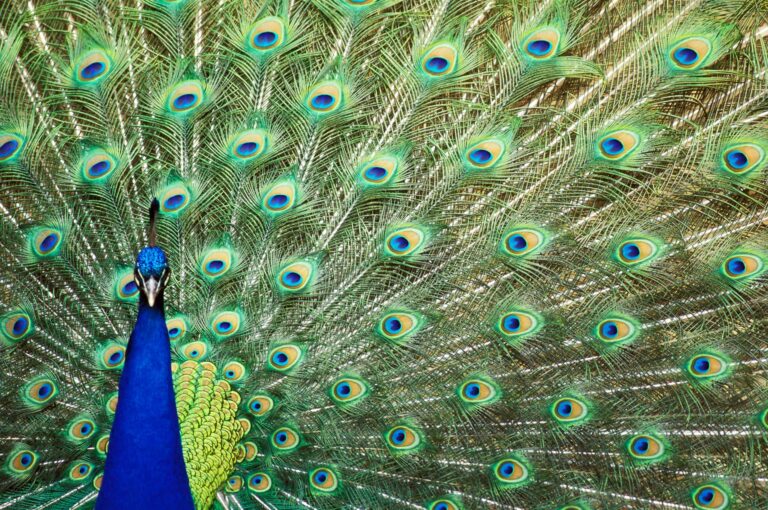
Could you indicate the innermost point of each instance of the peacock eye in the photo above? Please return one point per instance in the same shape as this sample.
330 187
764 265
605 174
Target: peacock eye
512 471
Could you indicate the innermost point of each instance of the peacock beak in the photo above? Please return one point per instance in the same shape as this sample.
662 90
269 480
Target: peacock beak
152 288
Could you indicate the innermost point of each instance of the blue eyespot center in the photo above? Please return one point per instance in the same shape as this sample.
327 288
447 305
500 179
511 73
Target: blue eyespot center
175 201
641 445
20 326
257 480
277 201
480 156
224 326
8 148
194 353
736 266
280 358
511 323
686 56
610 329
344 389
116 357
247 148
265 39
564 409
215 266
321 477
256 405
100 168
507 469
393 325
174 332
129 288
86 429
83 469
612 146
281 438
230 374
49 243
473 390
398 436
701 365
92 70
539 47
517 243
737 159
706 496
185 101
323 101
399 243
44 390
292 278
375 173
26 459
437 64
441 506
630 251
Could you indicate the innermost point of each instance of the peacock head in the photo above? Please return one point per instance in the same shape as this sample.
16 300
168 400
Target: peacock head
151 272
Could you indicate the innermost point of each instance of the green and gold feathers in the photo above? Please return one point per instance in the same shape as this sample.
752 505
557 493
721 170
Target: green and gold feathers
440 254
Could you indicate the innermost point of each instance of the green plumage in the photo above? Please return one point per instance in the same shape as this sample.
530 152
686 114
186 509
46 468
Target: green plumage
441 254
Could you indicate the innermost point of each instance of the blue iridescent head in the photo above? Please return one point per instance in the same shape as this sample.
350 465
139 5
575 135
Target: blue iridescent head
151 272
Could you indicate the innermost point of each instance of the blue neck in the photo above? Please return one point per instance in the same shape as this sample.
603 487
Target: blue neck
145 465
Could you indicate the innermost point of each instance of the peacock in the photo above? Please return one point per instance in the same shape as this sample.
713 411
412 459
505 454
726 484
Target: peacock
384 254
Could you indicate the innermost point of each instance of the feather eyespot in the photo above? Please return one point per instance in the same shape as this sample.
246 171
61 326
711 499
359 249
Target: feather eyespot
617 145
111 356
266 35
40 392
10 146
260 405
403 439
285 439
645 447
195 350
93 67
323 480
251 450
636 251
81 429
512 471
234 372
742 266
517 324
22 461
398 326
97 481
177 328
484 154
185 97
111 405
443 504
690 53
569 411
259 482
47 242
378 172
522 242
707 366
284 358
279 199
16 326
248 145
80 470
325 98
174 199
404 242
711 496
216 263
348 390
440 60
743 158
225 324
295 277
542 44
234 483
478 391
102 445
616 330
